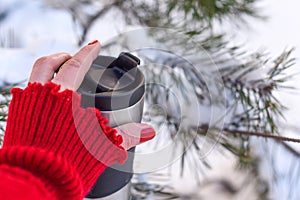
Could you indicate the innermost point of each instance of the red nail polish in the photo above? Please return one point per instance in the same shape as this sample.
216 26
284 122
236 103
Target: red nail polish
147 134
93 42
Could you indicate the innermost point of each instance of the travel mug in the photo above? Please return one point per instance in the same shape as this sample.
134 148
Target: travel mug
116 87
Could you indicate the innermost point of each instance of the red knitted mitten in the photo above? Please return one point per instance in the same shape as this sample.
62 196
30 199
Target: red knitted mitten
51 136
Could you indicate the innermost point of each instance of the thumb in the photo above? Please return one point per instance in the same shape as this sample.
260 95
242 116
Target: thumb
135 133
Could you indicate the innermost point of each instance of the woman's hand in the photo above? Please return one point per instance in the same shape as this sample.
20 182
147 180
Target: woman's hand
72 70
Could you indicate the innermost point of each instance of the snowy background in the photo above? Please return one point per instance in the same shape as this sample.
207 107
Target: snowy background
37 30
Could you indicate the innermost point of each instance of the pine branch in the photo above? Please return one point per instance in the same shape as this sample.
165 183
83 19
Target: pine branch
279 139
265 135
86 26
192 15
4 102
259 108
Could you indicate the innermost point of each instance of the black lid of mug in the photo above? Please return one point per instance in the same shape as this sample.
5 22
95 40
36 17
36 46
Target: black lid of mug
112 83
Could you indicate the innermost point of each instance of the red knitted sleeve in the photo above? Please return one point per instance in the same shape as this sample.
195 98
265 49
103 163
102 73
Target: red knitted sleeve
61 145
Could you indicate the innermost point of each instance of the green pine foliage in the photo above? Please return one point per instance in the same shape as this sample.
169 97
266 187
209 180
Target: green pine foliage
5 98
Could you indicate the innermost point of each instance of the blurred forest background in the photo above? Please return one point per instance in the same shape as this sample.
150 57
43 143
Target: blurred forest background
229 129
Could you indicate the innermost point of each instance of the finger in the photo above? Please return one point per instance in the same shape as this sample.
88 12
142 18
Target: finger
135 133
44 68
73 71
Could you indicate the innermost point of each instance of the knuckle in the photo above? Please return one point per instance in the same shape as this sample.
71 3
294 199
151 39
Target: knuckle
41 61
74 63
66 55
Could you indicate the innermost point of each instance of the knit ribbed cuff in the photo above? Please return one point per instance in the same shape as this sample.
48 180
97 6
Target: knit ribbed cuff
20 184
41 117
56 174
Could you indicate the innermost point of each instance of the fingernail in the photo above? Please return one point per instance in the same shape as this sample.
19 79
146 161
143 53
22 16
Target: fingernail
147 134
93 42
